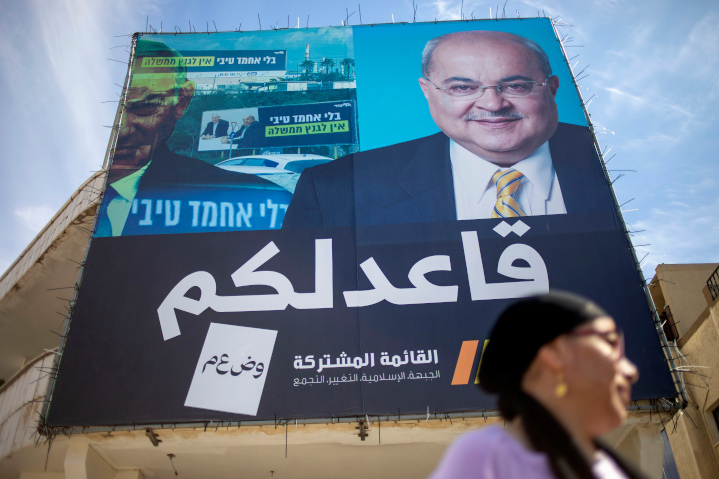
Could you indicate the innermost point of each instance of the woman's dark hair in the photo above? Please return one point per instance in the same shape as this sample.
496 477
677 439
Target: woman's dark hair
548 436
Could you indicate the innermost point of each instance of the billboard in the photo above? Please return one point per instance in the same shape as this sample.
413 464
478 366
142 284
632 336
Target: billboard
332 230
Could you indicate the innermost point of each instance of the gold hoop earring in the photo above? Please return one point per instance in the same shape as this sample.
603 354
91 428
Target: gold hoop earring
561 389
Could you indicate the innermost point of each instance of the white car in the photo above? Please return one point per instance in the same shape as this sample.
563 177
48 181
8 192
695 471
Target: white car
283 170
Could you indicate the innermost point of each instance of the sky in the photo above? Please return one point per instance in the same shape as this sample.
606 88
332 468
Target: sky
650 68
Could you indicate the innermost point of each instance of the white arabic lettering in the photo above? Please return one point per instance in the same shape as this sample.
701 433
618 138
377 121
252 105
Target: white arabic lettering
480 289
533 279
366 378
423 292
247 275
359 362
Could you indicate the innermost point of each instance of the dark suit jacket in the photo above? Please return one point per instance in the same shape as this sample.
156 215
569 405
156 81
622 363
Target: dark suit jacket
412 182
253 135
222 127
169 169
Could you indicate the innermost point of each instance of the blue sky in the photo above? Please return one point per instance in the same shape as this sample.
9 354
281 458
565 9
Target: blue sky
652 66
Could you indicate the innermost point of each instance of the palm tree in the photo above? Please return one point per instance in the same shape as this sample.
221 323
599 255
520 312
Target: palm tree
347 65
307 67
327 63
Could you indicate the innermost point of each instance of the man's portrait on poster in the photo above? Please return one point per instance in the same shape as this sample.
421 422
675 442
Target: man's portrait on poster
501 151
142 162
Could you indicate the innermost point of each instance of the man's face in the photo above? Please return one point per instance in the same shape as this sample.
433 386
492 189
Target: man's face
501 130
154 104
248 120
215 119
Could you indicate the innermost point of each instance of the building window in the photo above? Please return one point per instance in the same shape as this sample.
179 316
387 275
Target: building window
713 283
668 324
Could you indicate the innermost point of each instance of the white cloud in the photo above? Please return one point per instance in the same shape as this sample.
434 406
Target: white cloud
653 141
54 77
684 231
34 217
624 94
446 10
664 70
551 11
699 49
75 49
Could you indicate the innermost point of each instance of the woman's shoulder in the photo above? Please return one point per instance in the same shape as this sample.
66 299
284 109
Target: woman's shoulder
490 436
491 452
492 441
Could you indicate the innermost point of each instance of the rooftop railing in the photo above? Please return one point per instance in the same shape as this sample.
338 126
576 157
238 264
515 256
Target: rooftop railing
21 399
713 283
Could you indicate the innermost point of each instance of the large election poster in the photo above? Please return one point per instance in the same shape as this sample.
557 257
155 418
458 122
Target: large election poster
320 223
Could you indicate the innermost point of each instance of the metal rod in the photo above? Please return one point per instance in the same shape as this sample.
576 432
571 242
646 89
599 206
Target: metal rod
81 271
652 308
307 421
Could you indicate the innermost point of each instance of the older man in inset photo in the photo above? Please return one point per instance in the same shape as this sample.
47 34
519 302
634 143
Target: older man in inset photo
501 151
249 135
217 128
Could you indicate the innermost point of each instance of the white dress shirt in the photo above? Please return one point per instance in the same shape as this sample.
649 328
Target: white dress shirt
475 193
119 207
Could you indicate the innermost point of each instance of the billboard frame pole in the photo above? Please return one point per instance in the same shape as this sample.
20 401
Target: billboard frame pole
678 380
109 154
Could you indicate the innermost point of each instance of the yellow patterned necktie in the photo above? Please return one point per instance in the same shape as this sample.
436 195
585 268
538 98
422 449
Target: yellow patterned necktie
507 183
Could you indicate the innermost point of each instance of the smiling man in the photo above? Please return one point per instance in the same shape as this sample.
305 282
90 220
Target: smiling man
501 151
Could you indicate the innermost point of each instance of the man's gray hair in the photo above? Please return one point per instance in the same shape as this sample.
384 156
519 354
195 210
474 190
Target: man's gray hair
540 55
215 114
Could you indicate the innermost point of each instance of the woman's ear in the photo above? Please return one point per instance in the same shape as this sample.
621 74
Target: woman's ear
553 355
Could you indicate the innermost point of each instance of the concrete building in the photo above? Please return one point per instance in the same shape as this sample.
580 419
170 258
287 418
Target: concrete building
35 294
687 295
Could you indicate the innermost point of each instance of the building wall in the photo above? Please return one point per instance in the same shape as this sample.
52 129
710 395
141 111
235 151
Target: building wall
407 448
40 283
693 433
20 404
681 289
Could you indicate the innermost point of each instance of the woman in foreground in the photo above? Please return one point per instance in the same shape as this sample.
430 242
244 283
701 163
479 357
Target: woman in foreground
557 363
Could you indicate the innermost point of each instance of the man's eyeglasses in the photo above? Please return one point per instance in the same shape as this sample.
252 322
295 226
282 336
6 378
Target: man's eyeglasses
472 91
614 338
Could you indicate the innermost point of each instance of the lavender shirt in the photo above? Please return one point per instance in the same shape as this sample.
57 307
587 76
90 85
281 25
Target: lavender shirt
492 453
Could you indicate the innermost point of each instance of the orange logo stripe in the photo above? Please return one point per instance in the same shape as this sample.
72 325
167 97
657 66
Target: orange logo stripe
464 363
